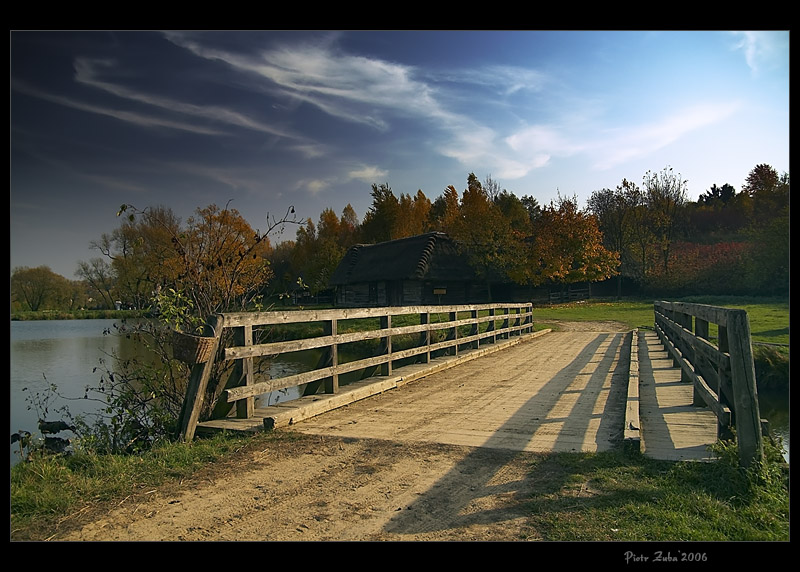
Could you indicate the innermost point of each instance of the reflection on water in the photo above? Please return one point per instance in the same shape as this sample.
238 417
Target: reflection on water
774 406
68 353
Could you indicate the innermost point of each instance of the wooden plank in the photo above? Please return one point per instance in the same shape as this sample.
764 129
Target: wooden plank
234 319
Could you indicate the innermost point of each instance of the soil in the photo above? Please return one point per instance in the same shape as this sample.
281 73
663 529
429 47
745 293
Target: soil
306 487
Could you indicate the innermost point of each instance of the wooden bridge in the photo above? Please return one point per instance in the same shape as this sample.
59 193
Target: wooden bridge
668 392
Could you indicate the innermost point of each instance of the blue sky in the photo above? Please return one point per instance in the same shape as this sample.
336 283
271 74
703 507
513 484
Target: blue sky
267 120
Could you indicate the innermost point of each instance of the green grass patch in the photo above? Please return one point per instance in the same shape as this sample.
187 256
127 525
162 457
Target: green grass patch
613 496
77 315
769 317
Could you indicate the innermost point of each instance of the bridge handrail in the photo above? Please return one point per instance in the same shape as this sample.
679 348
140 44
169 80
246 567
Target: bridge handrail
516 319
724 374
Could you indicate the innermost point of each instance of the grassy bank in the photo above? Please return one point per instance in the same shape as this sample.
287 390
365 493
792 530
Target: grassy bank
76 315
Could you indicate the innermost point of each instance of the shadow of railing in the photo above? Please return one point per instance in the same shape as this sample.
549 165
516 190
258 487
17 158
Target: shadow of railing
498 470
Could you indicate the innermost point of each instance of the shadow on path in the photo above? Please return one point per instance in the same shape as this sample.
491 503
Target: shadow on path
499 472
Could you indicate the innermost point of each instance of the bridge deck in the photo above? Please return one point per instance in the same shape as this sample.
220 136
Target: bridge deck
563 391
672 428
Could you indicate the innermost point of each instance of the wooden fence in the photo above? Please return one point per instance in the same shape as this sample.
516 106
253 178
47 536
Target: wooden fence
463 327
723 375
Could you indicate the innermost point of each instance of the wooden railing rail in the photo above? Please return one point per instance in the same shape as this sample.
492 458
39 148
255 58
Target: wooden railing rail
503 320
723 375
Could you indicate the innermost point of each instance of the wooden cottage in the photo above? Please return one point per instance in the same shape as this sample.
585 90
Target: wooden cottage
426 269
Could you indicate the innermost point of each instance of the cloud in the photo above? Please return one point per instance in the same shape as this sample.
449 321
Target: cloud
615 147
350 87
762 49
315 186
87 72
368 174
138 119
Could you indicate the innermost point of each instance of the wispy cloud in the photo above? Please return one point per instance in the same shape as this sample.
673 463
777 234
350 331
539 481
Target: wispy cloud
762 49
88 72
350 87
617 146
139 119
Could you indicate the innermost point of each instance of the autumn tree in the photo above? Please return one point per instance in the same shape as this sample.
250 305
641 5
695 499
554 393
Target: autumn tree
349 227
481 231
445 210
568 245
216 259
413 215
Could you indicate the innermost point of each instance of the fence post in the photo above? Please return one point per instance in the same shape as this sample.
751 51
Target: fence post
475 328
244 336
492 325
745 393
454 334
386 323
425 336
332 383
198 382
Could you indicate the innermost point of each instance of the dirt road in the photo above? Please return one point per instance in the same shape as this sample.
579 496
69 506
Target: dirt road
310 487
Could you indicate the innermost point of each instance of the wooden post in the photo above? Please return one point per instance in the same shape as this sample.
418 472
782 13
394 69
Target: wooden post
745 393
198 382
386 323
454 334
425 336
332 383
475 328
244 407
492 325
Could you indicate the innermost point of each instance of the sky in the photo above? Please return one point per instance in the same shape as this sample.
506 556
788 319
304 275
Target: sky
263 121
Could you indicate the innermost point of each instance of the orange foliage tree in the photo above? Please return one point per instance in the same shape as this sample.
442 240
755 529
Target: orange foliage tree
567 247
217 261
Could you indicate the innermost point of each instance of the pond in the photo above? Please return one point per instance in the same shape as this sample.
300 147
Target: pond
65 353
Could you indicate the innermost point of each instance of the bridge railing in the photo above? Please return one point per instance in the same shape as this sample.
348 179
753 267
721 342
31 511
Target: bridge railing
463 326
723 374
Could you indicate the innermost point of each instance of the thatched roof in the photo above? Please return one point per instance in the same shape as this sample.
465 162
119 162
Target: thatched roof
432 256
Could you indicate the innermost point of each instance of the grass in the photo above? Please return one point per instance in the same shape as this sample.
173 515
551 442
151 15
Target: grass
769 317
617 497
